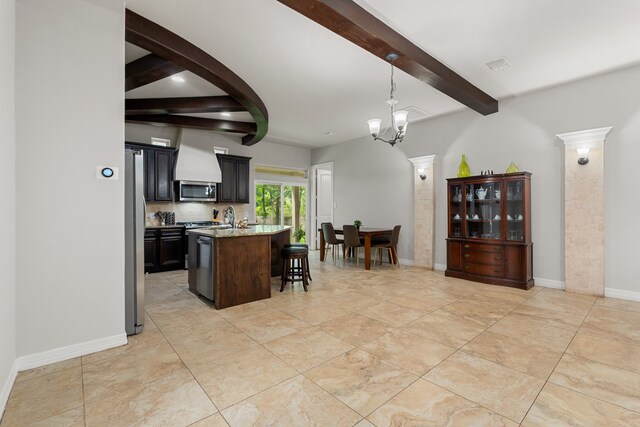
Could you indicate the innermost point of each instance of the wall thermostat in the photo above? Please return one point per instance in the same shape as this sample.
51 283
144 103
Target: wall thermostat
106 172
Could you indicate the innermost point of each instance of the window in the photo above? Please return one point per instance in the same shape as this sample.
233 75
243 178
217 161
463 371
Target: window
279 203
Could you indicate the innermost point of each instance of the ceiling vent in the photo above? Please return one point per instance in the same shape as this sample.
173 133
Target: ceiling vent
499 64
415 113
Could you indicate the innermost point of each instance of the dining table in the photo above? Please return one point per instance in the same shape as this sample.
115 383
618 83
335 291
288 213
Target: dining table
366 233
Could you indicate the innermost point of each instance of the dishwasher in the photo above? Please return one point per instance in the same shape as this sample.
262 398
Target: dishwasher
205 269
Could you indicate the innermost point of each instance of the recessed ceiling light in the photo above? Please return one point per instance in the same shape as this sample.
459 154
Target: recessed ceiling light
328 133
499 64
225 114
177 79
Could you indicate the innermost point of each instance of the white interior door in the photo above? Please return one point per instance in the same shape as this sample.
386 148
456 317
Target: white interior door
324 200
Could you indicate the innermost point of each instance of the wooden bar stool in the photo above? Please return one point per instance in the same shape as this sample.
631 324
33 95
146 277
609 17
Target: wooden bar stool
306 260
292 273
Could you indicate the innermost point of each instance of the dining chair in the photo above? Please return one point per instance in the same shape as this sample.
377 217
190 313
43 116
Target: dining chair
330 239
351 241
391 247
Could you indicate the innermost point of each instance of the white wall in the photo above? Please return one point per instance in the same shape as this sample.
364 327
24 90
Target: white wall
7 189
524 131
372 182
70 226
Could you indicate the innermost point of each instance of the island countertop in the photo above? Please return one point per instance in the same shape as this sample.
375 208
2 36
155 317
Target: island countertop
254 230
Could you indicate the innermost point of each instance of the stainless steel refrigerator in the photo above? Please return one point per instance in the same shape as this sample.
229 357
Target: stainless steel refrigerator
134 219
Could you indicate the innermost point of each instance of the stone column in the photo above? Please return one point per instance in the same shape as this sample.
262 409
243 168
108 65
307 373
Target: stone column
584 211
423 235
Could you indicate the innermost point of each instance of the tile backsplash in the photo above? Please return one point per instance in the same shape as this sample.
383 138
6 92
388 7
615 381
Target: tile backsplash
193 211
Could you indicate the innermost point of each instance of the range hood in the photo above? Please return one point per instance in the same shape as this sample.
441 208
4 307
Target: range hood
196 161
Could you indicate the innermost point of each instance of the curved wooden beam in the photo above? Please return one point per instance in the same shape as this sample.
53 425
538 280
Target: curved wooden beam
162 42
148 69
189 105
352 22
194 123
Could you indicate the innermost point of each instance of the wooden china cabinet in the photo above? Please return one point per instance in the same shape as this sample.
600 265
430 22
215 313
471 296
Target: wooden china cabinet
489 236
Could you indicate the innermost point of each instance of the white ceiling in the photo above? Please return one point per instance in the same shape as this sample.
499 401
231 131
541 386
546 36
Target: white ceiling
313 81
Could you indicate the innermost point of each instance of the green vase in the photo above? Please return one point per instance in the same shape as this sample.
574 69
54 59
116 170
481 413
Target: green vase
463 169
513 168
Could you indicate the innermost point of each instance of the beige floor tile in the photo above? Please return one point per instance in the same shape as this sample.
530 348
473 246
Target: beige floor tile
161 294
501 295
553 318
535 360
354 300
271 325
213 421
392 314
619 304
445 328
306 349
241 376
43 397
483 313
314 313
566 302
48 369
242 312
296 402
355 328
621 354
211 346
148 338
533 331
614 385
125 371
192 324
71 418
426 405
364 423
410 352
175 400
615 324
424 302
361 380
503 390
557 406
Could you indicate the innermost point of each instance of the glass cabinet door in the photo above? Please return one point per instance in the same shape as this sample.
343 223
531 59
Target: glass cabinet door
455 210
515 213
483 213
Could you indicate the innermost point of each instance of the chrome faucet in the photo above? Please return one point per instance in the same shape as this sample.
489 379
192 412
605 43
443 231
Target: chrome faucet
230 215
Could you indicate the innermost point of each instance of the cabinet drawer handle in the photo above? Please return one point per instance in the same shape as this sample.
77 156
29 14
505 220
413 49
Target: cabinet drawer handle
466 246
498 258
498 248
466 255
466 267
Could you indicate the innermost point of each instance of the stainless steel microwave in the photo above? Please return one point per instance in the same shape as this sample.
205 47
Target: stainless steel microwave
194 191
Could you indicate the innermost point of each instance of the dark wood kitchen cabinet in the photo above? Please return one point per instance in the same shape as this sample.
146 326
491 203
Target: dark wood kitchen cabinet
163 249
489 229
158 172
234 187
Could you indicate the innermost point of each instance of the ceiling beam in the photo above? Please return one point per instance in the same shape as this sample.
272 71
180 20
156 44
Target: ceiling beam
162 42
148 69
193 122
352 22
190 105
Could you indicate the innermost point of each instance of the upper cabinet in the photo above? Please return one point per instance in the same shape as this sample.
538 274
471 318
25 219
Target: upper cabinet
489 229
158 172
234 187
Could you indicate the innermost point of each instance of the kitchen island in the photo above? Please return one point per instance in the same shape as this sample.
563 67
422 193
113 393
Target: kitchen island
233 266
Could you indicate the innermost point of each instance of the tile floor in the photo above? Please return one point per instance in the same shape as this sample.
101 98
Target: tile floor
381 347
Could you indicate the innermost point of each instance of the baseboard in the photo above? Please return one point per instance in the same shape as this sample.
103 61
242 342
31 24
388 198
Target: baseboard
439 267
548 283
6 388
621 294
69 352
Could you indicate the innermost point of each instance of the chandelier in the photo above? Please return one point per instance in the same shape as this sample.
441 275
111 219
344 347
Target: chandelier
398 123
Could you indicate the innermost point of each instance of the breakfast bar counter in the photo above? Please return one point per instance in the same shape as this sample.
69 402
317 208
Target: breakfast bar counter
233 266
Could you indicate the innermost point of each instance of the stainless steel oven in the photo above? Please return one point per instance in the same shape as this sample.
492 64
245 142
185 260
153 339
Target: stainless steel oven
194 191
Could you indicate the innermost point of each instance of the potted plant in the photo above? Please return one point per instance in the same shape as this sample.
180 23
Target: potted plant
357 223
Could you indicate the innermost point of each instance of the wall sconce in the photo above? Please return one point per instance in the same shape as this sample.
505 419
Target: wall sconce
423 176
583 156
